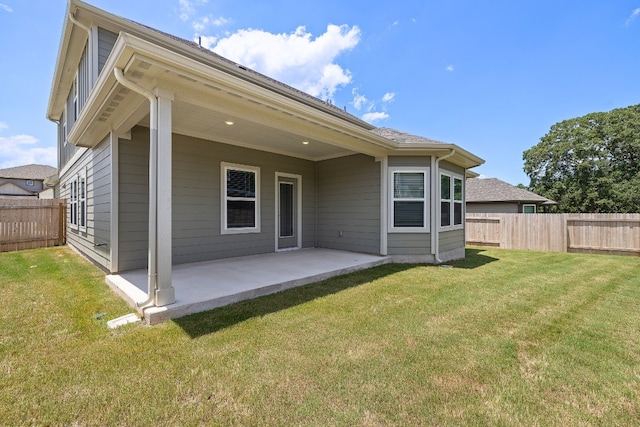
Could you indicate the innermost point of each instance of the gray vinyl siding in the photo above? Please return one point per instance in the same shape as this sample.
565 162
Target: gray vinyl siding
133 176
96 165
450 240
349 201
196 204
395 161
506 207
445 166
409 243
106 40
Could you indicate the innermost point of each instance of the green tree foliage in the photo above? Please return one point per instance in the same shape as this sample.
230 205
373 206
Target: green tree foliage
589 163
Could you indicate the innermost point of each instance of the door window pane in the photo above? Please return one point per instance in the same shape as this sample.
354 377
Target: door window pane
286 209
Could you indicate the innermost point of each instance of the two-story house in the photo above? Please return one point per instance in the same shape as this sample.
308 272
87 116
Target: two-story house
172 154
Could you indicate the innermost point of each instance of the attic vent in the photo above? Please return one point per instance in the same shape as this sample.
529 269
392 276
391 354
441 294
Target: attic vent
118 98
144 65
124 91
137 74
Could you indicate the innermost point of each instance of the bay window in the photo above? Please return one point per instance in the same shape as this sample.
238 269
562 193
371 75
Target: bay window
451 201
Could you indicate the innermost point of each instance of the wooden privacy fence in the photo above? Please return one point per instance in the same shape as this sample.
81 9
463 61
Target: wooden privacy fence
31 223
615 234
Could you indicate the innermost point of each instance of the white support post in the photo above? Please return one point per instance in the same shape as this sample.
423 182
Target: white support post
165 293
114 247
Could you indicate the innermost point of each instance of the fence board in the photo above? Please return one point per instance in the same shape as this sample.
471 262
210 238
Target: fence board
617 234
31 223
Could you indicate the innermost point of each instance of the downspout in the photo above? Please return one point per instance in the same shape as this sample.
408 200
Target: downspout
435 221
153 184
76 22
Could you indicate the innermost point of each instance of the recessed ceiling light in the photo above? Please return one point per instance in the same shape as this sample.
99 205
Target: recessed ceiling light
229 122
305 142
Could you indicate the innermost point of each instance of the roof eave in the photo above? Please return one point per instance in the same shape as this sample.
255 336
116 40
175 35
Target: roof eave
225 65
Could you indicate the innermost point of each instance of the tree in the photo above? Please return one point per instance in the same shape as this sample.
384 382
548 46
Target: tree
590 163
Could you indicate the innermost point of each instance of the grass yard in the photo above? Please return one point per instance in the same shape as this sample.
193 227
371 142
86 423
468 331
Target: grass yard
503 338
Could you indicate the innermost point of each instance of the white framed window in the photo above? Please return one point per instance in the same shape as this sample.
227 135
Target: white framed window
408 200
529 209
240 198
29 183
78 202
82 202
451 201
63 121
73 203
74 89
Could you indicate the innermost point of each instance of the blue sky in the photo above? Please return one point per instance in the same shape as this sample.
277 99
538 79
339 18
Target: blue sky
490 76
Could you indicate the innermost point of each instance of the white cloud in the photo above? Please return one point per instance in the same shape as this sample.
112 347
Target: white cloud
201 24
450 68
375 116
388 97
633 16
358 100
297 59
3 126
5 8
20 150
188 8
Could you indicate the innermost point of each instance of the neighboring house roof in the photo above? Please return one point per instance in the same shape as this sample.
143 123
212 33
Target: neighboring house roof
493 190
34 172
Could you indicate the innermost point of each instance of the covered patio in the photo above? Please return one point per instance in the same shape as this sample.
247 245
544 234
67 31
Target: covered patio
206 285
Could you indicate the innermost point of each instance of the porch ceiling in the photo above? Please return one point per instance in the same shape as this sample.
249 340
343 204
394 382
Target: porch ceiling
206 100
206 96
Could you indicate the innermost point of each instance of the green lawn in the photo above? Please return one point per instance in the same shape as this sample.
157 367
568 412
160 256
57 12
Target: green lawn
503 338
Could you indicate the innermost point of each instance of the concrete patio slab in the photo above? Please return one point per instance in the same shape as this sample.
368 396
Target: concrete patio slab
206 285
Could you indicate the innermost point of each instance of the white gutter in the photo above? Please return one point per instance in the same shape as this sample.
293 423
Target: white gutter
153 185
435 212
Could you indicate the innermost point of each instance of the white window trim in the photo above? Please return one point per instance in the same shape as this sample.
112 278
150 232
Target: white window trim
64 125
452 176
82 200
535 208
74 89
224 166
73 203
392 199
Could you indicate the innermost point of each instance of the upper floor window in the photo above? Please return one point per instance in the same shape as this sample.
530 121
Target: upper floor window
75 98
409 195
240 199
529 209
451 201
78 202
29 182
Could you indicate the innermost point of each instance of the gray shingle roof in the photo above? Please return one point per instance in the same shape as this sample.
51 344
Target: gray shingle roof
38 172
494 190
398 136
301 94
